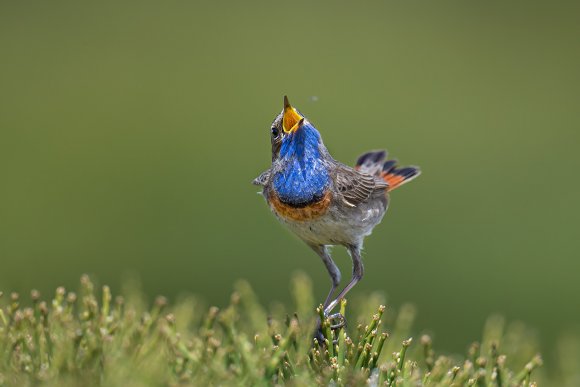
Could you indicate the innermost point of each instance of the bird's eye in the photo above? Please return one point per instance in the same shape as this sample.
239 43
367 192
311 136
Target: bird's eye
275 132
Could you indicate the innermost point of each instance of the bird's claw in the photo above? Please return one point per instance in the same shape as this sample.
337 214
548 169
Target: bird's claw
337 321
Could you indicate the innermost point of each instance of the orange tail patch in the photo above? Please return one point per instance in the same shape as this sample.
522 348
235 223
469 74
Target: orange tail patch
396 177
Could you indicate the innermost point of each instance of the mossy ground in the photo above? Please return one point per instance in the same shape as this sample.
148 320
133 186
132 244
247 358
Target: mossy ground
93 338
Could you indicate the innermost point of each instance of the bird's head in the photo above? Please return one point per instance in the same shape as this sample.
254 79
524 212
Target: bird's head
291 129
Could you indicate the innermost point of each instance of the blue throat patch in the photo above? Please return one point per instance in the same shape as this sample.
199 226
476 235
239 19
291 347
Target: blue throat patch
304 179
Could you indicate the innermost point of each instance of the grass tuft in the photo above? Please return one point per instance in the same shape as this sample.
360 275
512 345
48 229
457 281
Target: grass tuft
90 337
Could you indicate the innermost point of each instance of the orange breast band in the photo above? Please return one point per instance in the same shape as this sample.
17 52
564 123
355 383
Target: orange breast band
309 212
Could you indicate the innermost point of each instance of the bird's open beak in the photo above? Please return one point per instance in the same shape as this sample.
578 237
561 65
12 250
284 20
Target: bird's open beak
292 120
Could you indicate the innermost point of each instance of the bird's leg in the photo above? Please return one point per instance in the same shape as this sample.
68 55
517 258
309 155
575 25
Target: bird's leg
335 276
357 273
333 270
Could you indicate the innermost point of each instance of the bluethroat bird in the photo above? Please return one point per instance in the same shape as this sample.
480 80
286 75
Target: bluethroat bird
323 201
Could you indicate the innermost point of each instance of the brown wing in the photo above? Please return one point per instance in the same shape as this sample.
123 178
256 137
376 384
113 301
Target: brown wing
356 187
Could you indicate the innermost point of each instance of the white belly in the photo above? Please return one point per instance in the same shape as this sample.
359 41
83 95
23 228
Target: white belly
344 226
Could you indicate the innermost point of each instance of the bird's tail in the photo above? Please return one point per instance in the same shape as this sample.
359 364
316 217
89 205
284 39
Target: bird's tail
373 163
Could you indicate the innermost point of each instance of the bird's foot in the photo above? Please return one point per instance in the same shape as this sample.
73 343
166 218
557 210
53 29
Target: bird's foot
337 321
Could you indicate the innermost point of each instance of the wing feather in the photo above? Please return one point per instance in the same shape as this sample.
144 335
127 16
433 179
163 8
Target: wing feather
356 187
263 178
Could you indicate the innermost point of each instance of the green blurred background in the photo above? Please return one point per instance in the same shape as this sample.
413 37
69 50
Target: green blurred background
130 133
